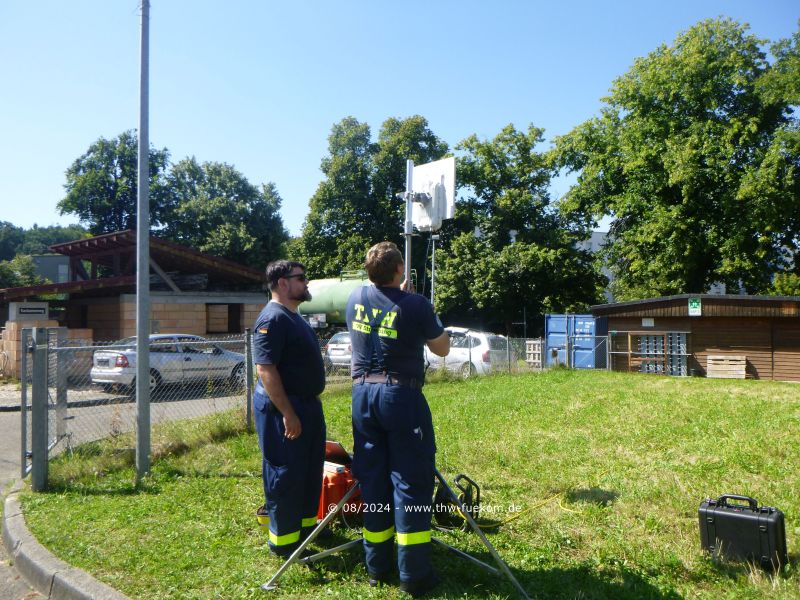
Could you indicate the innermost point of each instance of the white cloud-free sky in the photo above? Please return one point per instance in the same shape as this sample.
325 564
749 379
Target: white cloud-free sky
258 84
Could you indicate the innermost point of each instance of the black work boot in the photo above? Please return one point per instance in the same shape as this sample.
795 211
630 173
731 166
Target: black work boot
417 588
376 579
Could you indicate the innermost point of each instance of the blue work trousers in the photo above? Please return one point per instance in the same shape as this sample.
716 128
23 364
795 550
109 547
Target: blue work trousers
291 469
393 460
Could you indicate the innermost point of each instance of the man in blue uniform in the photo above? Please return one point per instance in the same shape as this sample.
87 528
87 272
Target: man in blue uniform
394 446
288 412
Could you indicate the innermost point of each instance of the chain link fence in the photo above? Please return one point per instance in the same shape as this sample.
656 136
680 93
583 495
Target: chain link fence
478 353
90 390
189 377
471 353
90 387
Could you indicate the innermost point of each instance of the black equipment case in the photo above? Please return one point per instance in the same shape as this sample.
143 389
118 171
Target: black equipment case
744 532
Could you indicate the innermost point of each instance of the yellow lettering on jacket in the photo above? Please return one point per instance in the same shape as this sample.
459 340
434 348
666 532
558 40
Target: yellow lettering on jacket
388 319
359 311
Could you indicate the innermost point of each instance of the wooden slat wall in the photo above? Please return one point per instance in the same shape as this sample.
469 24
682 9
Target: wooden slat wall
711 307
786 357
725 336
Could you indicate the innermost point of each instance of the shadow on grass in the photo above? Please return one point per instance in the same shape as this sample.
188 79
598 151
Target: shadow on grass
581 581
585 582
594 495
461 578
736 569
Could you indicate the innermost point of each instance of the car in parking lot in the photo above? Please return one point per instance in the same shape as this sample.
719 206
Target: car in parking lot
338 351
174 358
471 353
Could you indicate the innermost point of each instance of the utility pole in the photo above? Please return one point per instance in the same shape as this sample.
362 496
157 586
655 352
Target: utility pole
409 228
143 259
434 239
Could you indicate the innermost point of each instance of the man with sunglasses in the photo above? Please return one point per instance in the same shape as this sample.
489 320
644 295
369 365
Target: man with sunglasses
287 408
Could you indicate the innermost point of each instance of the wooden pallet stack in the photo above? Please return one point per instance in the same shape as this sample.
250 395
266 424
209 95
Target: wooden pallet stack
726 367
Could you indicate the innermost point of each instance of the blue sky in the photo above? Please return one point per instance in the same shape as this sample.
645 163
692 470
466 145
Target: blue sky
258 84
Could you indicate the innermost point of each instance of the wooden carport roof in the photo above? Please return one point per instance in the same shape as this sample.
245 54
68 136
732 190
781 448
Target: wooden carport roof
116 252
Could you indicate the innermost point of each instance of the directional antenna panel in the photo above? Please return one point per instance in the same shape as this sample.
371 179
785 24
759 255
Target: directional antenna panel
434 187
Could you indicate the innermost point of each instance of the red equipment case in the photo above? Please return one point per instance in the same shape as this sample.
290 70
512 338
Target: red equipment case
739 532
337 478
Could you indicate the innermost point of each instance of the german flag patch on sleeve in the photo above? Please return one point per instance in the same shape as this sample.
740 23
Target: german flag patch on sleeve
263 330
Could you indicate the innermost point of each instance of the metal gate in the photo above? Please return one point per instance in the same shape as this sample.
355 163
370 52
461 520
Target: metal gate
38 363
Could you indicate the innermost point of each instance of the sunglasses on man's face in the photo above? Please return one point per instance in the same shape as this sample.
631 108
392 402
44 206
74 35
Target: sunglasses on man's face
299 276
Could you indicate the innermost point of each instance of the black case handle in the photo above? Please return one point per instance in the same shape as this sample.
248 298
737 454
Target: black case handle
725 497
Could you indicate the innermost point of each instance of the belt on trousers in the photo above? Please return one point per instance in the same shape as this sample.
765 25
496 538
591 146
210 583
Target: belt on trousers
411 382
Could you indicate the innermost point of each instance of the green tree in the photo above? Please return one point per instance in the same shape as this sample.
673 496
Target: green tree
354 207
215 209
11 238
507 249
786 284
20 271
695 156
37 240
102 185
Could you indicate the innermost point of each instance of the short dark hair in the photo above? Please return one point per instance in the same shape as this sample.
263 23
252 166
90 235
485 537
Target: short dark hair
382 262
280 268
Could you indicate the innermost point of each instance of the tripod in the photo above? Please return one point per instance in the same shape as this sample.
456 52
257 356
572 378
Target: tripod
296 555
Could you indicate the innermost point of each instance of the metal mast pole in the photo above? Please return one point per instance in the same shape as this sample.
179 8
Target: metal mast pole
143 260
409 224
434 239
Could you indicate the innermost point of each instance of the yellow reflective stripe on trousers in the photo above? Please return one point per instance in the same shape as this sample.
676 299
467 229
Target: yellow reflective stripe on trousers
284 540
310 522
418 537
376 537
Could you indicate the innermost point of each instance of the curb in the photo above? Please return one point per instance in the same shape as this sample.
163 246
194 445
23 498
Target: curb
48 574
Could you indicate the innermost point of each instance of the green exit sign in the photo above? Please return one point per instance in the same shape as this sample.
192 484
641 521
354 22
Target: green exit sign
695 307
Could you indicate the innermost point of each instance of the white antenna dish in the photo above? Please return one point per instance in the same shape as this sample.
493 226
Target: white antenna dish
434 189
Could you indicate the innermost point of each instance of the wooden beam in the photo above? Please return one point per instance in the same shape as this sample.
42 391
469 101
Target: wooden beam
79 270
164 276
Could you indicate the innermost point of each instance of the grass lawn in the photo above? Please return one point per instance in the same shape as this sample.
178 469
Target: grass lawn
597 477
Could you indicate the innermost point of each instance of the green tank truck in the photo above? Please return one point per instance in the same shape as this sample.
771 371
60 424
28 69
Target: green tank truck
325 311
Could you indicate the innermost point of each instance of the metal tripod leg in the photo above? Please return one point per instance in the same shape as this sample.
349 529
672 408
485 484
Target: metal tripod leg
294 558
503 567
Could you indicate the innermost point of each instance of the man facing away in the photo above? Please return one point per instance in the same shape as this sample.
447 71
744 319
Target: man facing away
288 411
394 446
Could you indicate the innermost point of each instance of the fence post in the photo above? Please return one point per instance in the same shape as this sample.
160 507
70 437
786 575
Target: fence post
62 365
39 411
608 351
248 369
27 349
508 353
469 353
542 356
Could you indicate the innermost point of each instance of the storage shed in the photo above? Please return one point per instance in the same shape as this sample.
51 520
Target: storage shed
692 333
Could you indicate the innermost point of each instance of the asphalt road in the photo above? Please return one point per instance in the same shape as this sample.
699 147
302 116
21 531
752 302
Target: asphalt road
12 585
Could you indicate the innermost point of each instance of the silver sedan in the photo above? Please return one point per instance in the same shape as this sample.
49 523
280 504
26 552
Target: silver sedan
174 358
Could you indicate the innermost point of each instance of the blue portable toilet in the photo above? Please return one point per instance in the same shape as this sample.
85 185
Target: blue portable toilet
587 349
